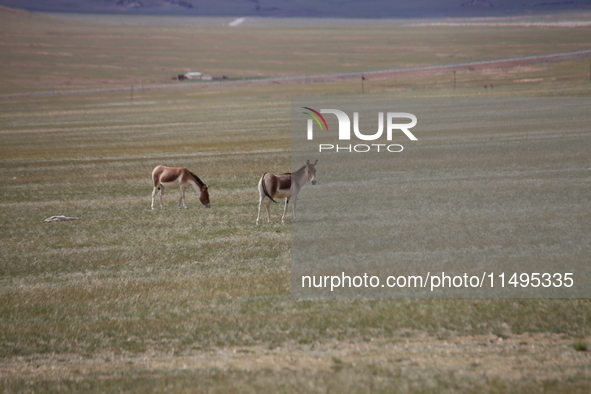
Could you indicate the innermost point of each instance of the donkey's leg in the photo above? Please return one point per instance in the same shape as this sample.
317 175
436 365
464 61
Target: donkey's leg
261 198
160 194
268 205
182 197
154 196
284 210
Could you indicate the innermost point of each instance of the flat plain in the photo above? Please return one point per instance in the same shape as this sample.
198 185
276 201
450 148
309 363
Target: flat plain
138 300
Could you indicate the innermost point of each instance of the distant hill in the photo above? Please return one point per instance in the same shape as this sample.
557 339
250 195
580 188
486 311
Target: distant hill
309 8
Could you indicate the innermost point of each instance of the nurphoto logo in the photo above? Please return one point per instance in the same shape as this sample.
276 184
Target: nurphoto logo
393 123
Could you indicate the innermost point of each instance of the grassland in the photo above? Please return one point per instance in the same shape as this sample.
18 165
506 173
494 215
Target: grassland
45 54
129 299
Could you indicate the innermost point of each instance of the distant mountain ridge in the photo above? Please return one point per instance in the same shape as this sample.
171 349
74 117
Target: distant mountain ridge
308 8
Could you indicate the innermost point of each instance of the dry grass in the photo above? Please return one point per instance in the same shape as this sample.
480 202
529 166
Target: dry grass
41 54
487 188
409 363
127 283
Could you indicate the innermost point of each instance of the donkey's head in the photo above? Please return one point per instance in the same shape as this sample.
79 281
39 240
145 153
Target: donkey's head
204 197
311 171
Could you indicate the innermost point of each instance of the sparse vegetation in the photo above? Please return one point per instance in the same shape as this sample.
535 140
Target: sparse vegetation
580 346
76 55
137 300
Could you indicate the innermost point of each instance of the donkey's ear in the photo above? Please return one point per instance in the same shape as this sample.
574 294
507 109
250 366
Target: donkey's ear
316 162
307 162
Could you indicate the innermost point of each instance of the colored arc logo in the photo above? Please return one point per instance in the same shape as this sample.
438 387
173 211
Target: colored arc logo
317 117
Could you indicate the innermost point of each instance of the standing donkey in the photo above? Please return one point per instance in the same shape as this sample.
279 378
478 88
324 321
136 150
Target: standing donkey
178 178
281 186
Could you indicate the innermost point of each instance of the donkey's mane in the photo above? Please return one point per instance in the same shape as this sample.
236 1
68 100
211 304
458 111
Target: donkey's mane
297 172
199 181
300 170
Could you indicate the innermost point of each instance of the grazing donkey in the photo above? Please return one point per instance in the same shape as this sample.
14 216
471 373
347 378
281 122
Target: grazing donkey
284 186
178 178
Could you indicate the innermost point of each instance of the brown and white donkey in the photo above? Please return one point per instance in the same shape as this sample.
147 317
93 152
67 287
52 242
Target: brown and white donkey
285 186
178 178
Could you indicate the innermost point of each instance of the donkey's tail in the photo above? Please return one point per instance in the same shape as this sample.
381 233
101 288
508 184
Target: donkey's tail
265 188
